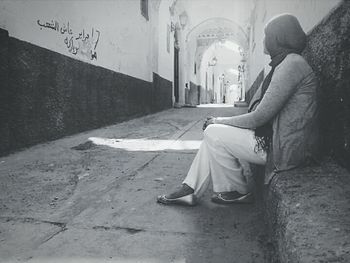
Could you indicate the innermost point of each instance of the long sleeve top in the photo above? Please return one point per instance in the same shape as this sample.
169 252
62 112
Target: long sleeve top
290 102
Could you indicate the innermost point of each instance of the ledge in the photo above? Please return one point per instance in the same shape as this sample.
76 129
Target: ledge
308 213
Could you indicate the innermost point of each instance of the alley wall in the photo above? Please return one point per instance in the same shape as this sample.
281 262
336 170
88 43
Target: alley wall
71 66
328 53
99 34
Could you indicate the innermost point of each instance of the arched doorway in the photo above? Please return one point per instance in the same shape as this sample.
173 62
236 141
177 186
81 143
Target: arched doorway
222 61
210 39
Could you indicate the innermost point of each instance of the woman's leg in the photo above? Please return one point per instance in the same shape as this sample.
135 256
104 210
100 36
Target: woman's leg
196 180
198 177
218 159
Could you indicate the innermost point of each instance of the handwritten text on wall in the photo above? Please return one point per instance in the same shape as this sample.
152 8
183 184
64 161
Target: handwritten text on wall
84 43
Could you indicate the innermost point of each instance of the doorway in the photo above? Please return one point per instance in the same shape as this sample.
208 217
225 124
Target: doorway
176 74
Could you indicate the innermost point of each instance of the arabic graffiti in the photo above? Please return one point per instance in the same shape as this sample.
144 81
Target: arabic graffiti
84 43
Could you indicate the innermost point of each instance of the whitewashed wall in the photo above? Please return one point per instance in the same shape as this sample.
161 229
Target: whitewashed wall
121 38
165 38
201 10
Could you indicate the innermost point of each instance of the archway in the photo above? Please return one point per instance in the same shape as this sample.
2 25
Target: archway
214 32
220 77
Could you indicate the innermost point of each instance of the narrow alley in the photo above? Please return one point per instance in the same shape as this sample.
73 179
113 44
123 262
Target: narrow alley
72 200
103 104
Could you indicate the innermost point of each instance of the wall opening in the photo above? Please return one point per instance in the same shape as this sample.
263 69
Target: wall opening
224 62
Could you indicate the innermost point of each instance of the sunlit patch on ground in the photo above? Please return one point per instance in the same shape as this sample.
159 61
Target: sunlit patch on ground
215 106
147 145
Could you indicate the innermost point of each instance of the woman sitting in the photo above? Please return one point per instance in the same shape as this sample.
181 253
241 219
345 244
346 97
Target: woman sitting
281 130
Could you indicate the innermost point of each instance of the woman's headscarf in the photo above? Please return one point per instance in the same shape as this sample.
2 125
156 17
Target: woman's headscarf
283 35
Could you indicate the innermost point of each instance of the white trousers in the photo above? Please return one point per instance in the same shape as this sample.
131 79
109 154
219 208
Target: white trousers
218 160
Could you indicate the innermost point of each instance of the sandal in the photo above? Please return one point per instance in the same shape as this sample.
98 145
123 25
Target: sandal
221 198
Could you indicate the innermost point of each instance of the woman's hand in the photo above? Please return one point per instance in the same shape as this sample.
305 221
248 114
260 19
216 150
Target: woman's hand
208 121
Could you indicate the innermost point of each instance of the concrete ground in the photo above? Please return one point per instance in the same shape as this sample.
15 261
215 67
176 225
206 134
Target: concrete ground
91 197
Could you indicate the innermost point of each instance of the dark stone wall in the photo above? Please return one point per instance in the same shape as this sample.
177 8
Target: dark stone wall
328 52
161 94
4 91
46 95
197 95
193 94
206 95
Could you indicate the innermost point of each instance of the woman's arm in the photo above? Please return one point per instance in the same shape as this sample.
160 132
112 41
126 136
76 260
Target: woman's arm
283 84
